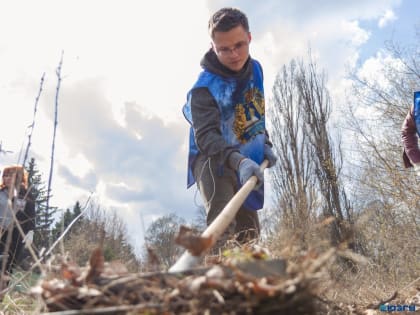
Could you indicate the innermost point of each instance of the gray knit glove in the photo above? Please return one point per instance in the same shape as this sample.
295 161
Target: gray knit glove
248 168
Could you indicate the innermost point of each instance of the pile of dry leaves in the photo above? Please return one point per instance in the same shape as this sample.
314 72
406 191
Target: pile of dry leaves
244 283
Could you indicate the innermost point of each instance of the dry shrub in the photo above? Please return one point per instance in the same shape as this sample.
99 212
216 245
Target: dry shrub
387 269
100 228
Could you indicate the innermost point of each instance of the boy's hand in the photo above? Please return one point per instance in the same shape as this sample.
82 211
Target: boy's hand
247 169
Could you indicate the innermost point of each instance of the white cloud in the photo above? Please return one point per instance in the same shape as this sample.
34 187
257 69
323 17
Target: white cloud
373 70
387 18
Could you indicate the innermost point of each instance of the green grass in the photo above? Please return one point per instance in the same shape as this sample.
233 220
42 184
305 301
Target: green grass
18 299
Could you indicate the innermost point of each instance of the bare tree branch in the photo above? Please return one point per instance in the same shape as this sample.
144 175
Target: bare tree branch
32 126
58 73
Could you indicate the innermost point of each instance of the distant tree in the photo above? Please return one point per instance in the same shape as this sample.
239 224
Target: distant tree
387 195
61 225
77 209
100 228
200 220
317 107
386 97
67 218
160 239
293 178
44 219
307 178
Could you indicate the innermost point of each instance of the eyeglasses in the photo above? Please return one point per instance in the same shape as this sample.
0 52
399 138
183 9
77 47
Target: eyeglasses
237 48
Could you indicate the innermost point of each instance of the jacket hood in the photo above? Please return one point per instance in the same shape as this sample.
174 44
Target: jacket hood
211 63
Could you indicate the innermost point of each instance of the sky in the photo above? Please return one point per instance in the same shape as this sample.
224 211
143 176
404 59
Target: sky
127 66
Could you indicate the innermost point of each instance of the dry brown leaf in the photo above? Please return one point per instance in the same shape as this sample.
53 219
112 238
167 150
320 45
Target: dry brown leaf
71 273
96 264
262 290
195 244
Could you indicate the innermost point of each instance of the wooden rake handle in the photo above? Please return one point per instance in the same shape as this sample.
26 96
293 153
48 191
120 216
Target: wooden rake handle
220 224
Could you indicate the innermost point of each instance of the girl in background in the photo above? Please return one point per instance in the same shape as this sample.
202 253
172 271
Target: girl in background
410 132
14 196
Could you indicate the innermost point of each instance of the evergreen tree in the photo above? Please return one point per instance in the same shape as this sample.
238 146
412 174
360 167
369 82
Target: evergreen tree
44 219
77 226
65 221
61 225
77 209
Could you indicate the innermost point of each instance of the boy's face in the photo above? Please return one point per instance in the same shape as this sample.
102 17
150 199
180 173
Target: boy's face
232 47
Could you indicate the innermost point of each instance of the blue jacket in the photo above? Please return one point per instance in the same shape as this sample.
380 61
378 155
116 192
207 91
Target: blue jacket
417 110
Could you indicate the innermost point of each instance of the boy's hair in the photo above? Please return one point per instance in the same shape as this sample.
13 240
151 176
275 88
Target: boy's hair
227 18
21 179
